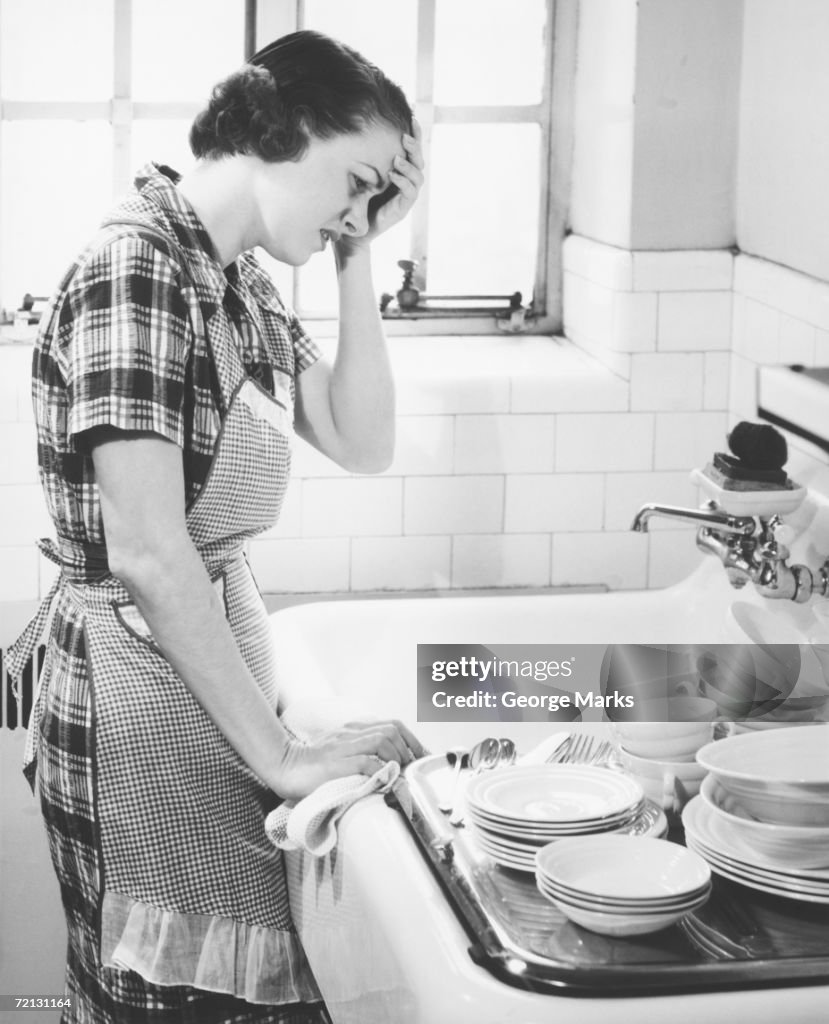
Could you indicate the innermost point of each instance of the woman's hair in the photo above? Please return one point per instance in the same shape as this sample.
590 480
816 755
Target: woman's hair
304 84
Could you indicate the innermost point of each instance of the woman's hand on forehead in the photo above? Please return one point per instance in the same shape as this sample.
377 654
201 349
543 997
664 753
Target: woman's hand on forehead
406 178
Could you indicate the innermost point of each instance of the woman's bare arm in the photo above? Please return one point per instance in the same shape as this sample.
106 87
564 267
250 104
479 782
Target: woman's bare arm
347 410
141 484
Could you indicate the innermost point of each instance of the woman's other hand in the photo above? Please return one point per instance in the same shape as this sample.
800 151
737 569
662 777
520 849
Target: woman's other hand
357 748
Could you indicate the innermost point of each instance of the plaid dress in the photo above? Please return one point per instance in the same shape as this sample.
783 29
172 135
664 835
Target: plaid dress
175 900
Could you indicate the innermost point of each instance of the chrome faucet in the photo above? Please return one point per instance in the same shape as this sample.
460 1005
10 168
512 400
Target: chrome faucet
750 548
709 515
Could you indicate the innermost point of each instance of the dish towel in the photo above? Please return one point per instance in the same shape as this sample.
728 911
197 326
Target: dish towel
310 824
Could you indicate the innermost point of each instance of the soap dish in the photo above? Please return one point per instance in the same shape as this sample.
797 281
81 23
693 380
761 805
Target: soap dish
750 503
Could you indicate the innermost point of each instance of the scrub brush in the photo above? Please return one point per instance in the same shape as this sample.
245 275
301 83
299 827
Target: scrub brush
758 455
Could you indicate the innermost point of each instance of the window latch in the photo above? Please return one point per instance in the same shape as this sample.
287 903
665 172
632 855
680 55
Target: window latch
509 312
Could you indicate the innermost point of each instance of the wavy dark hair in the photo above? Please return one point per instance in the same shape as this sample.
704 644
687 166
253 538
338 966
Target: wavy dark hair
302 85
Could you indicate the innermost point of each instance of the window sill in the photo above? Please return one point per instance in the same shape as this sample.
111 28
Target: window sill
502 374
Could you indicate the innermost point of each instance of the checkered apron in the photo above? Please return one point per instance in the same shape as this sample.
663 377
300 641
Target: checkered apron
146 803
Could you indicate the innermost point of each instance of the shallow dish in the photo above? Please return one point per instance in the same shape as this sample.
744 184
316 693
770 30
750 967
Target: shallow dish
519 853
793 846
628 867
554 793
706 835
777 775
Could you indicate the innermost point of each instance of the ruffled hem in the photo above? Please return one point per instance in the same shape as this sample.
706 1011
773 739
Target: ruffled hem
216 954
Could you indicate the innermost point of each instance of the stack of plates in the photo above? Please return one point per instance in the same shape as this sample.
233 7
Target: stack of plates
762 816
622 885
516 811
725 849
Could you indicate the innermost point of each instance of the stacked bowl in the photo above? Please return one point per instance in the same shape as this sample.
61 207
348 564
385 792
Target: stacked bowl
622 885
762 816
659 748
516 811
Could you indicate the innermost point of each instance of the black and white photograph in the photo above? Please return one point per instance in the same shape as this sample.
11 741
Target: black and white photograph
414 511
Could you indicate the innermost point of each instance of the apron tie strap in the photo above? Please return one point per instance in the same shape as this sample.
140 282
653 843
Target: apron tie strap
23 648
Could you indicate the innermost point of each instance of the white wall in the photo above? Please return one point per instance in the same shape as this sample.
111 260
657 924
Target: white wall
783 183
656 114
685 142
602 179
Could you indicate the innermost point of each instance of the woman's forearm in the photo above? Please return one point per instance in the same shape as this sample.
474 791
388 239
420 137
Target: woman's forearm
173 592
362 386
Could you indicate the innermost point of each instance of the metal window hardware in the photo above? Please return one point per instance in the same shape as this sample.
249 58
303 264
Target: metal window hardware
508 310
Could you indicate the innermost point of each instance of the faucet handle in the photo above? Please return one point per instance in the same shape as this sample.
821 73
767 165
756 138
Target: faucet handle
785 534
776 538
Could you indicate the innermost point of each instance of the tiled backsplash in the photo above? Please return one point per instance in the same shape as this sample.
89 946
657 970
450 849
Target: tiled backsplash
520 461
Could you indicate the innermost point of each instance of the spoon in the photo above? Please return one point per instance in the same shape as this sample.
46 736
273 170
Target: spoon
458 757
506 752
483 756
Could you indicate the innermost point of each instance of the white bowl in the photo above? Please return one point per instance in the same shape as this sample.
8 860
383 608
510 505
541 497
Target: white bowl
626 867
623 923
614 905
777 775
668 748
791 846
670 784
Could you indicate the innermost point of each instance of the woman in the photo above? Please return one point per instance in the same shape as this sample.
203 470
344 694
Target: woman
167 377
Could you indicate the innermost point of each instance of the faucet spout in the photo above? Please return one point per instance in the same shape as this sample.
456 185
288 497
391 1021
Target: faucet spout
713 518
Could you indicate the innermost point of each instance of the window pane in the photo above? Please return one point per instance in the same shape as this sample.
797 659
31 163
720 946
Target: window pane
489 52
50 205
318 280
182 48
56 51
483 214
165 142
366 25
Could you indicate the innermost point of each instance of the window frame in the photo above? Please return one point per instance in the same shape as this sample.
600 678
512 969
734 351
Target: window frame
553 115
267 20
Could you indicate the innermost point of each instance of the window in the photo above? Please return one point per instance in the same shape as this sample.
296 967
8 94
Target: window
83 109
77 125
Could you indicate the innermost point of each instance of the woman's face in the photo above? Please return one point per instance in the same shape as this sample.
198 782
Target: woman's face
305 203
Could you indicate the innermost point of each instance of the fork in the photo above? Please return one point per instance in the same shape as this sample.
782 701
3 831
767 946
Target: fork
583 749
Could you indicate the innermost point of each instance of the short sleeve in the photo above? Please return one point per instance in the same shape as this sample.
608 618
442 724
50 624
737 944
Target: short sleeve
306 350
123 340
276 312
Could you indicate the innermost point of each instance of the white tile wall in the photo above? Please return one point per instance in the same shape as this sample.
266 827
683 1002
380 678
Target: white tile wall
501 560
595 442
694 271
501 443
302 566
520 462
618 560
401 563
684 440
694 321
353 507
456 504
667 381
558 502
716 373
